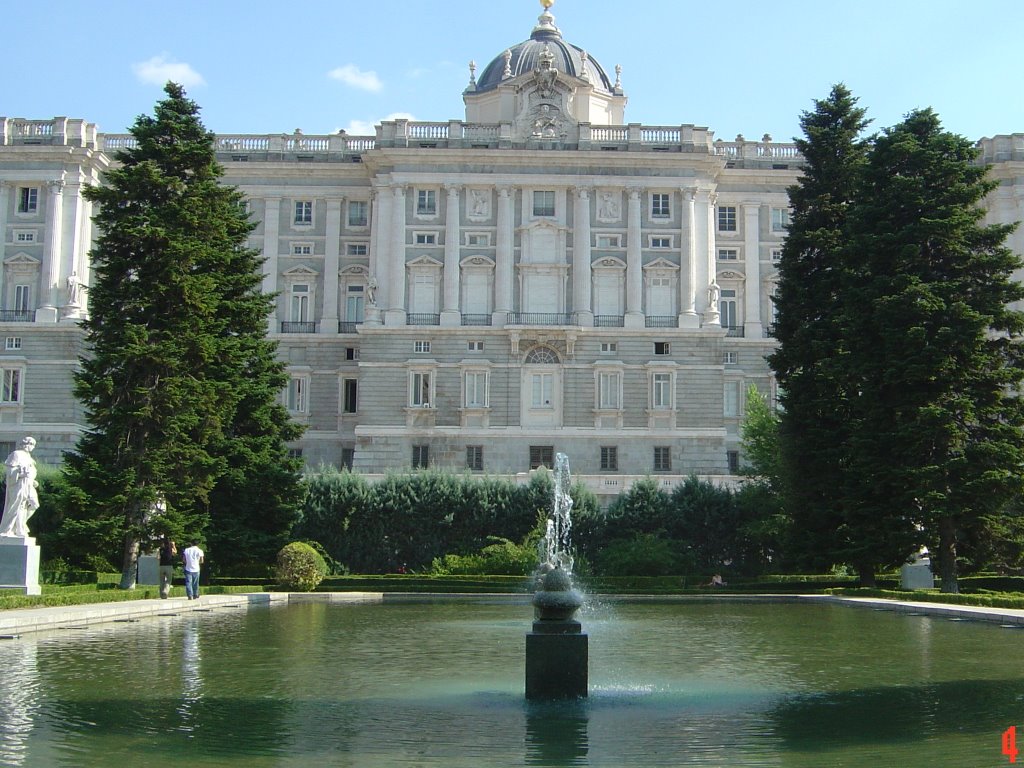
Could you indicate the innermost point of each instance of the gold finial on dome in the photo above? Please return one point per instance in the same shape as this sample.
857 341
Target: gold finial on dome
547 4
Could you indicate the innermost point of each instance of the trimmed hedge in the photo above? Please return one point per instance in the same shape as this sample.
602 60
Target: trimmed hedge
54 596
920 596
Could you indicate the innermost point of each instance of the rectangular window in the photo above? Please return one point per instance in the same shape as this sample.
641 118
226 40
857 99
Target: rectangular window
609 241
357 213
733 459
661 391
13 343
609 391
356 249
24 235
662 348
662 458
475 390
351 353
542 390
426 238
23 298
727 308
300 303
478 239
28 199
350 396
302 249
780 219
661 242
542 456
544 203
348 458
731 399
609 347
475 346
303 212
776 254
426 202
730 358
420 456
355 301
419 389
421 346
728 254
294 453
11 386
660 205
297 391
727 218
475 458
609 458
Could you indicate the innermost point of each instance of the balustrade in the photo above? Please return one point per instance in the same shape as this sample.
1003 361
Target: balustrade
472 319
541 318
292 326
661 321
17 316
422 318
609 321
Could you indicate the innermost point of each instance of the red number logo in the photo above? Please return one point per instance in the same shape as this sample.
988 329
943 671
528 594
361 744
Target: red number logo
1010 743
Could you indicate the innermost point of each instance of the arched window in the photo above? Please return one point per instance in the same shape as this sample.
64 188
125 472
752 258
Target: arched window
541 356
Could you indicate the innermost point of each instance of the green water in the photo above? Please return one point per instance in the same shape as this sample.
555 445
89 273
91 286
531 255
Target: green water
441 685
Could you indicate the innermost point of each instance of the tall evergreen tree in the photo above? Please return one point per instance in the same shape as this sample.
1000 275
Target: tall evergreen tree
180 384
815 386
938 430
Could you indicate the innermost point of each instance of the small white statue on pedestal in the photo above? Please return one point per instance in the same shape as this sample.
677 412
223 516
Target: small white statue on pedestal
22 500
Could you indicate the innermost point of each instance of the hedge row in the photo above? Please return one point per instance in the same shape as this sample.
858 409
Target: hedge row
985 601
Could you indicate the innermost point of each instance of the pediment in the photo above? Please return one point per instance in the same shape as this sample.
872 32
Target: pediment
300 271
729 274
425 261
542 224
356 270
608 262
661 264
21 259
479 262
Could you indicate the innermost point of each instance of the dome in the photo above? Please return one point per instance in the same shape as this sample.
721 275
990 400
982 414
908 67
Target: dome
524 57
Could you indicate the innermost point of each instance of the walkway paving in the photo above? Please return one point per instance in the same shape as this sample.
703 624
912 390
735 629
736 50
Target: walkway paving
19 621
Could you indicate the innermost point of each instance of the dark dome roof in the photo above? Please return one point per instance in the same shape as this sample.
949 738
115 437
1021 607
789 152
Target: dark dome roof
525 56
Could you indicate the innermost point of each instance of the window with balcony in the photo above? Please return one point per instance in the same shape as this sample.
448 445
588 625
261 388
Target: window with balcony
23 298
727 218
544 203
357 213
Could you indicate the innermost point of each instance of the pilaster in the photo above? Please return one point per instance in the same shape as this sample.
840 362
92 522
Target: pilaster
332 257
450 314
271 243
395 308
688 262
634 262
47 311
752 327
504 256
581 277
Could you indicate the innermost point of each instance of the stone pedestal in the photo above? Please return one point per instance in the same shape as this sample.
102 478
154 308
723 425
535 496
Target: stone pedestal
19 565
149 570
557 661
917 575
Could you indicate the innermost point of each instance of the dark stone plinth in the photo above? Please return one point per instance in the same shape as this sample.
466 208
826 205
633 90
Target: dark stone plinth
556 661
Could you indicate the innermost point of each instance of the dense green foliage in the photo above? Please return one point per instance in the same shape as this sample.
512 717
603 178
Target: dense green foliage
300 567
899 358
407 521
179 383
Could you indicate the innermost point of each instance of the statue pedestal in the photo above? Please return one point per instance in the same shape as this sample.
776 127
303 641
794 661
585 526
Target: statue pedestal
19 565
149 570
917 575
556 661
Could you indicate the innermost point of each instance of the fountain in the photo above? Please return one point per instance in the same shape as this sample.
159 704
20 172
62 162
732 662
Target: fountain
557 651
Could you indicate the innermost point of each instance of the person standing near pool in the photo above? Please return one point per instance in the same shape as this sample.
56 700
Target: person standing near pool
193 557
167 553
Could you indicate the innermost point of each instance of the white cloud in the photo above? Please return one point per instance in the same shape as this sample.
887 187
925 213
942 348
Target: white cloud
159 69
369 127
353 76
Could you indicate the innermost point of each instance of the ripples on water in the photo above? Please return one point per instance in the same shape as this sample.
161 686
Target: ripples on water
441 685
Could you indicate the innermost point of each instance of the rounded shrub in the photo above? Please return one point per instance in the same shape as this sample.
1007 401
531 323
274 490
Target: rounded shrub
300 567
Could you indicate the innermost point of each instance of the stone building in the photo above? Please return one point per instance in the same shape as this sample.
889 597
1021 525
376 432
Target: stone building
475 295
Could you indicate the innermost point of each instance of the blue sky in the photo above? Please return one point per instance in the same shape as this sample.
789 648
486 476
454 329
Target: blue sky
736 67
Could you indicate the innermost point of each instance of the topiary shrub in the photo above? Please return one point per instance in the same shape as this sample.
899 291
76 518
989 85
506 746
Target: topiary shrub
300 567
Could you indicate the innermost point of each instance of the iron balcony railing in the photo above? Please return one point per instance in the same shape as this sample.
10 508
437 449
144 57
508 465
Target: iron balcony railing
540 318
422 318
17 316
609 321
293 326
348 326
476 319
735 331
661 321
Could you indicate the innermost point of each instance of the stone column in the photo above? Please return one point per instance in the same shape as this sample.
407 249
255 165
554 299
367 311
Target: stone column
688 263
702 233
47 312
450 314
5 200
752 327
634 264
395 310
380 252
503 257
271 243
581 277
332 255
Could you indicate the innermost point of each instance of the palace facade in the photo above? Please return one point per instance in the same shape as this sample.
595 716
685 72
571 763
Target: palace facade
475 295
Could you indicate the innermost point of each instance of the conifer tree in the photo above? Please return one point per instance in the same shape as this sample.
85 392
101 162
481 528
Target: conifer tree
937 428
180 384
808 364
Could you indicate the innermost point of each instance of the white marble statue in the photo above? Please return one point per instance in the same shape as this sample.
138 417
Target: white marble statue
74 289
371 292
22 500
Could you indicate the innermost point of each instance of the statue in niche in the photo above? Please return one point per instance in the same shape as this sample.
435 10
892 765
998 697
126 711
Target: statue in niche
371 292
480 201
22 499
608 206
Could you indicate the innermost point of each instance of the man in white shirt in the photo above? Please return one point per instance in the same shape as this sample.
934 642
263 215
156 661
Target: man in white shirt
193 557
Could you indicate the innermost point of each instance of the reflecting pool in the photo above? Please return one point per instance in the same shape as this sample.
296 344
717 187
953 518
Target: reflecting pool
441 684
